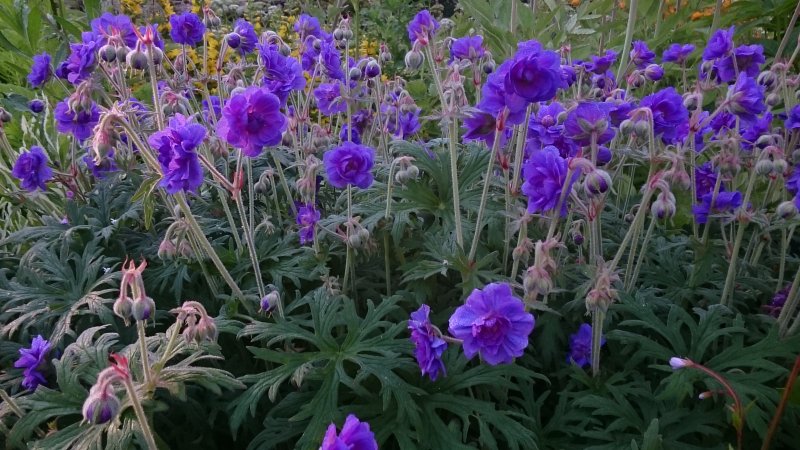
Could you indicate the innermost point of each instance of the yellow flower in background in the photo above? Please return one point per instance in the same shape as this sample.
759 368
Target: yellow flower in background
132 8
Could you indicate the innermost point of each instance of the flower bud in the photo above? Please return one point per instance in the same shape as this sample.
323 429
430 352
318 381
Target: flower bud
664 206
347 34
122 308
363 234
338 34
354 240
636 79
36 105
773 99
764 167
768 79
317 44
143 309
108 53
385 56
136 59
401 176
654 72
166 250
269 301
354 74
520 253
537 281
156 54
233 39
596 182
413 171
679 363
414 60
626 127
100 407
205 329
122 52
691 102
642 129
373 69
285 50
577 238
488 67
787 210
779 166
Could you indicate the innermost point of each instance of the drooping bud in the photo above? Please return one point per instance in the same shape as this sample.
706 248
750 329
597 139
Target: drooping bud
143 309
354 74
122 308
787 210
597 182
537 281
664 206
101 406
414 59
137 59
36 105
205 329
679 363
269 301
764 167
233 40
373 69
654 72
108 53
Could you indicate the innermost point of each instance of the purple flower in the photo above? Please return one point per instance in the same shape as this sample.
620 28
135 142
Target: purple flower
176 152
78 123
792 122
580 346
746 98
33 361
331 61
493 323
793 181
568 75
586 120
600 64
349 163
402 123
252 120
186 28
467 47
544 130
480 126
82 60
36 106
705 179
308 26
32 170
350 135
355 435
329 99
654 72
724 202
748 60
495 97
282 74
778 300
428 343
422 27
723 122
40 70
720 44
754 130
641 55
102 168
109 27
535 74
677 53
545 172
670 117
309 54
215 108
307 218
247 36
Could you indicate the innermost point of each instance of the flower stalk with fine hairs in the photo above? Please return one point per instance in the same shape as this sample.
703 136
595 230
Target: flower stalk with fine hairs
737 411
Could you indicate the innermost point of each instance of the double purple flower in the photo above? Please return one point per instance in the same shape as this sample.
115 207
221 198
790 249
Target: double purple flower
545 173
40 70
493 323
77 123
33 361
355 435
252 120
176 146
428 343
186 28
349 164
32 170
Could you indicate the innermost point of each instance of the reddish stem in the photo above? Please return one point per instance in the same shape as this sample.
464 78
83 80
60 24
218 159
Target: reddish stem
787 391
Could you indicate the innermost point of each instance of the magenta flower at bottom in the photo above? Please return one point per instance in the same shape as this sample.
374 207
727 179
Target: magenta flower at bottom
492 323
355 435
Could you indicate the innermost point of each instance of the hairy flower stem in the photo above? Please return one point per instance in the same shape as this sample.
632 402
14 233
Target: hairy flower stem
787 392
140 417
717 186
523 233
349 255
636 226
598 317
247 229
207 247
551 231
173 339
387 263
788 32
737 243
148 377
156 99
717 14
623 61
631 282
790 305
285 185
487 181
452 139
784 246
737 411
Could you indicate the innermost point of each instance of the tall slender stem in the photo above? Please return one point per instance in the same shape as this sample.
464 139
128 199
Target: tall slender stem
632 280
487 181
791 304
717 15
737 243
285 185
598 317
623 61
787 392
140 416
788 32
148 377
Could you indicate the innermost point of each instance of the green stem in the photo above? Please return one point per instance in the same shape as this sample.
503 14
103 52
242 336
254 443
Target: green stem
717 14
285 185
140 417
737 243
207 247
148 378
173 338
485 194
791 304
632 281
623 61
598 317
787 392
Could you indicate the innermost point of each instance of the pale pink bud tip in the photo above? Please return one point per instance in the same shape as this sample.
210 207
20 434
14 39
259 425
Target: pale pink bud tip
679 363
